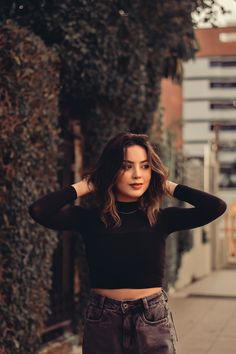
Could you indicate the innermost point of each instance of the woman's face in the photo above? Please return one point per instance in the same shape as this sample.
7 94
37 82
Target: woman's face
136 169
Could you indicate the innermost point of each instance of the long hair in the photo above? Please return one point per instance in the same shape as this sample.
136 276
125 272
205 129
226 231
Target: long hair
108 167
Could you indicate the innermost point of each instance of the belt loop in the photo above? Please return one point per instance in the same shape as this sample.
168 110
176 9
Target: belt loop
101 301
165 294
145 303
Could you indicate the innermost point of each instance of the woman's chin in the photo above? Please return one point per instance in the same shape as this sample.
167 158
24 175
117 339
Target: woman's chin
131 194
136 194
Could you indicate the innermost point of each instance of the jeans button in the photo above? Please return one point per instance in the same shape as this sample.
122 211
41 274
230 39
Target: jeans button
125 306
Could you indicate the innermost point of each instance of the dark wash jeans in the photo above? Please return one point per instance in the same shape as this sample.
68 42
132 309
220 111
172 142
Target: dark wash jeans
141 326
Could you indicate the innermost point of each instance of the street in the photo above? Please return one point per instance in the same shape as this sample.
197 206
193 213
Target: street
205 315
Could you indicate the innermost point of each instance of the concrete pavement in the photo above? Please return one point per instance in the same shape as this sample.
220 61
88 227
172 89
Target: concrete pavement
205 314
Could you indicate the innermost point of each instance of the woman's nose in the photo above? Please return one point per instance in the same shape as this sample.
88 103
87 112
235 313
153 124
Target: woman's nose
137 173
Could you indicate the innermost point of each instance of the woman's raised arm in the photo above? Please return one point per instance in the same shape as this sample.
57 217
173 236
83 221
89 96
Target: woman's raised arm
49 210
206 208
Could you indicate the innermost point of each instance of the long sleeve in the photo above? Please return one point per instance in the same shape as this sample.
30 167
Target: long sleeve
49 210
207 207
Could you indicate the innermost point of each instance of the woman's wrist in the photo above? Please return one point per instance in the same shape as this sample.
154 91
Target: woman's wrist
82 188
171 187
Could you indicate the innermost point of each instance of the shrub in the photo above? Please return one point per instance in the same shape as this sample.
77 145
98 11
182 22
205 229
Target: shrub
29 86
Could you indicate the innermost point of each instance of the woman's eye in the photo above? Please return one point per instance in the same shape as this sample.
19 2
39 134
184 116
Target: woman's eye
126 167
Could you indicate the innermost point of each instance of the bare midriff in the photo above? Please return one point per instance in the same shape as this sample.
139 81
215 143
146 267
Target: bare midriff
126 294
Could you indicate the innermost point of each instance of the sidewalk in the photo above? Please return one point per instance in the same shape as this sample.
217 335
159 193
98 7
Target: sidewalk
205 314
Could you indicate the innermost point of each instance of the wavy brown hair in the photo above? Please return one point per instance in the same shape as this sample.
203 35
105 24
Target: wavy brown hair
108 167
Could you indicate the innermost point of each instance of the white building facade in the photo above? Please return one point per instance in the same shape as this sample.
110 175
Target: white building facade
209 115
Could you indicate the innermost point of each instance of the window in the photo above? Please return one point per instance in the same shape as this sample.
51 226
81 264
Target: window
223 126
222 84
223 104
229 146
227 36
228 175
223 62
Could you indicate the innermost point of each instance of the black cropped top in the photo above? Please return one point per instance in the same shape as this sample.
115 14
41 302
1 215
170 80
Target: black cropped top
132 255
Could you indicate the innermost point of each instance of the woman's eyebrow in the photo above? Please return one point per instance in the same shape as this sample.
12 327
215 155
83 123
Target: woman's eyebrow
133 162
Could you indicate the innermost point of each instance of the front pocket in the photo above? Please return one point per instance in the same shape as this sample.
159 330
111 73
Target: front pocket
155 314
173 325
93 313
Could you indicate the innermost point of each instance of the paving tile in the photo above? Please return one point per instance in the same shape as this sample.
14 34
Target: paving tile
205 325
194 345
223 346
219 283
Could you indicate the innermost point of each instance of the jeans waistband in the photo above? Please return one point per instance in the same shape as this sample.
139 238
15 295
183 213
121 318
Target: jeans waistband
147 301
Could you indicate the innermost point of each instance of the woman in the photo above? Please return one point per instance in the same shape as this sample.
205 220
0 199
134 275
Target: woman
125 240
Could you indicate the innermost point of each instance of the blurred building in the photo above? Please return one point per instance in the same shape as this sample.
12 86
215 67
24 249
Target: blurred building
202 114
209 102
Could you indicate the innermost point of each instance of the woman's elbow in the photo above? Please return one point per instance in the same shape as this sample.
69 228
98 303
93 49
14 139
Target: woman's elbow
34 212
222 206
38 217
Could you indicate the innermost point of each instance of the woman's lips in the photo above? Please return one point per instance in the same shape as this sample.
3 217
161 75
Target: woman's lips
136 185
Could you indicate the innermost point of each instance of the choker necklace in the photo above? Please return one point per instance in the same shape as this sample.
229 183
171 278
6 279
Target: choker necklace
129 212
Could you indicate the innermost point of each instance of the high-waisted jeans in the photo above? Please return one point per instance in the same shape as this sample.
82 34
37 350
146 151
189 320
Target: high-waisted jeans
140 326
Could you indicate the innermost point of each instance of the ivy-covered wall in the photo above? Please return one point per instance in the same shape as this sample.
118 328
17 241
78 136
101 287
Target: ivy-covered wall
29 163
113 55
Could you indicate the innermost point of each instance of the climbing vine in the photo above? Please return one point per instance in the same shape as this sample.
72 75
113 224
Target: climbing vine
29 161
